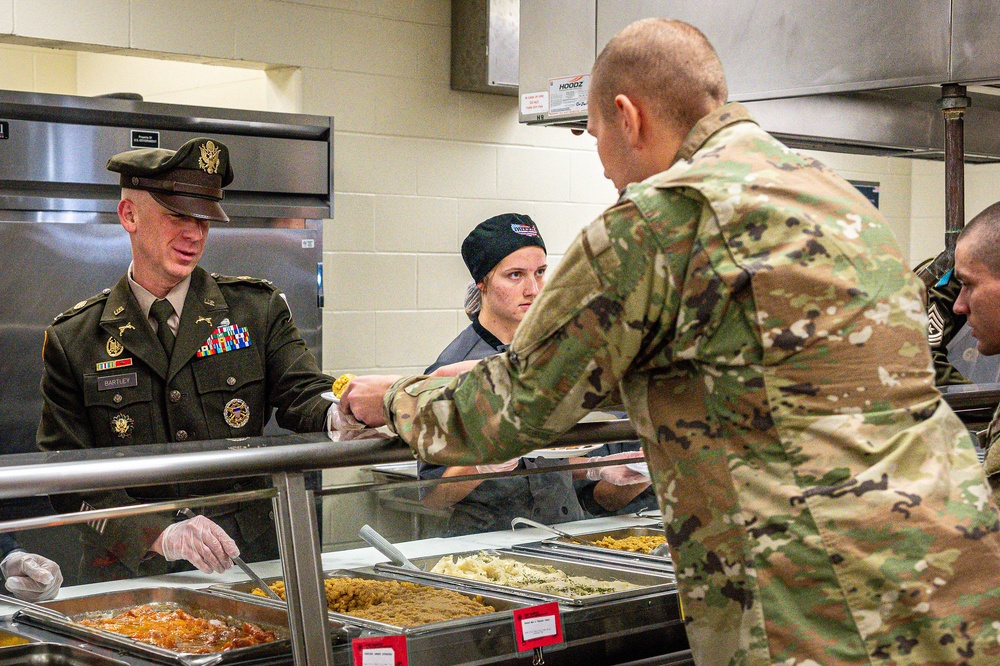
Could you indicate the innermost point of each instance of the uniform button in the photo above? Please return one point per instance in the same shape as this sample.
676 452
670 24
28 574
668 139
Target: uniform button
564 510
118 398
106 292
182 435
175 396
231 381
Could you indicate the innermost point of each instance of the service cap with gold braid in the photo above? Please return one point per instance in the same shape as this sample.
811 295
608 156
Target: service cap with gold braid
188 181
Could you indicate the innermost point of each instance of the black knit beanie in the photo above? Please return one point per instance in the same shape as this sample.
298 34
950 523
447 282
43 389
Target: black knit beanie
495 238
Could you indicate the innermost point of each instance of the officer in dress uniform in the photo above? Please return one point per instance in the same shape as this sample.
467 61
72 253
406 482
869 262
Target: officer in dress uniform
172 354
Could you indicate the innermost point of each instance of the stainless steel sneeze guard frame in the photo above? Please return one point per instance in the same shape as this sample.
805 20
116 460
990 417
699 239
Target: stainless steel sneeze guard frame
283 458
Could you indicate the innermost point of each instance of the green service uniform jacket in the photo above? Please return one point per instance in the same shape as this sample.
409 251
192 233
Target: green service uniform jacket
822 504
107 382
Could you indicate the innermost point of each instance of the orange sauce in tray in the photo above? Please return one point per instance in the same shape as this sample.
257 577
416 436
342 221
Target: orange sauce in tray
181 631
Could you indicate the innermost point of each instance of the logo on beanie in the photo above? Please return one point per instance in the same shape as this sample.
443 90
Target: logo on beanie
524 229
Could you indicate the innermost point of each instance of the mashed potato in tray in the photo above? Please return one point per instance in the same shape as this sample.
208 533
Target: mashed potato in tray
540 578
393 602
341 383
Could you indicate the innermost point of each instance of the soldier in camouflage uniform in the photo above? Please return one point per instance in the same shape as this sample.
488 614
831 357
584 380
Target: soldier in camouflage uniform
977 269
938 276
822 504
171 354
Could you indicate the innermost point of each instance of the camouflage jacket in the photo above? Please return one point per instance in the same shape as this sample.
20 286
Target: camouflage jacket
822 504
943 324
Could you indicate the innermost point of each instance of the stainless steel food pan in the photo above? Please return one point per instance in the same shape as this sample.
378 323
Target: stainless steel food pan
561 547
502 603
192 601
649 582
52 654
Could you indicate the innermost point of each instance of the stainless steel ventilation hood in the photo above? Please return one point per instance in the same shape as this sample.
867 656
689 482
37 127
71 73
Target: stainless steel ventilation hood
54 149
851 76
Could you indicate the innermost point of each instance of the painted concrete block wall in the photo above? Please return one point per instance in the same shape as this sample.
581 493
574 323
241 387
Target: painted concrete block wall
417 165
982 188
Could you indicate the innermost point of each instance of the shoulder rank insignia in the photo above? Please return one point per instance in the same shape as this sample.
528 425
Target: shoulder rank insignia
114 348
236 413
121 425
209 160
224 339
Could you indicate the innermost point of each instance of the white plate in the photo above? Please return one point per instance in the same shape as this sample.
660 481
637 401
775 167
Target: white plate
563 453
641 468
331 397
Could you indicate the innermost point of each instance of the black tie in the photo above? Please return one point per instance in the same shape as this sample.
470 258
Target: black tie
160 311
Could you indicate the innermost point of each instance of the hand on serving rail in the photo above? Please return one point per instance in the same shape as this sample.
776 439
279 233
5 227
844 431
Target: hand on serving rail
617 475
499 467
31 577
455 369
362 398
199 541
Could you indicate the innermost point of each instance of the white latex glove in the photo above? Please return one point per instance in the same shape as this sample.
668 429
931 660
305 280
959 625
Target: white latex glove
341 427
617 475
201 542
31 577
498 467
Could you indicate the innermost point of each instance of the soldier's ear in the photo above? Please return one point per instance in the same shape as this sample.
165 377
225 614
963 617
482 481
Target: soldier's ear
126 214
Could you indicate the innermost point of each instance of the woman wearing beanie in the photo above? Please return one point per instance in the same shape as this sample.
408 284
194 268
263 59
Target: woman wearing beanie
506 258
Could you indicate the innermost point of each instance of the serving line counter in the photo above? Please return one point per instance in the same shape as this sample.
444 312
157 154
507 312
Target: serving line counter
636 626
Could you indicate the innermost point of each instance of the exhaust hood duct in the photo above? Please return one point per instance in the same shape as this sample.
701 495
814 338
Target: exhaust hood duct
484 46
853 76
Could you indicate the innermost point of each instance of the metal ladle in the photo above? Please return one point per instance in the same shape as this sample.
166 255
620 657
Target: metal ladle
379 543
548 528
238 561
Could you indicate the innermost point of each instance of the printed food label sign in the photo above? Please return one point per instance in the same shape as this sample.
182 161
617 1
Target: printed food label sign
380 651
568 95
537 626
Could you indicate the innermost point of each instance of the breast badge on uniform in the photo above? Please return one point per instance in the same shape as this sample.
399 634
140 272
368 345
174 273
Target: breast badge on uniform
114 348
224 338
236 413
209 159
122 425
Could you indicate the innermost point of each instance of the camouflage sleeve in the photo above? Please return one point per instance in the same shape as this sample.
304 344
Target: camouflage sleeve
588 326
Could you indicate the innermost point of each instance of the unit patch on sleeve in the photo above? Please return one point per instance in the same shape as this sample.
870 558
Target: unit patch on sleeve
223 339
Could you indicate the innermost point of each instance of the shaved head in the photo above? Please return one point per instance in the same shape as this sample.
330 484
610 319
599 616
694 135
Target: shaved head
982 238
669 64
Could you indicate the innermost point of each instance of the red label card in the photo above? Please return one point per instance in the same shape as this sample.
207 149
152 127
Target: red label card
380 651
537 626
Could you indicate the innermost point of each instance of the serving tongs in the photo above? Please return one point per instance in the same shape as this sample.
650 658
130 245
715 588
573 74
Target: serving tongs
548 528
238 561
379 543
44 611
